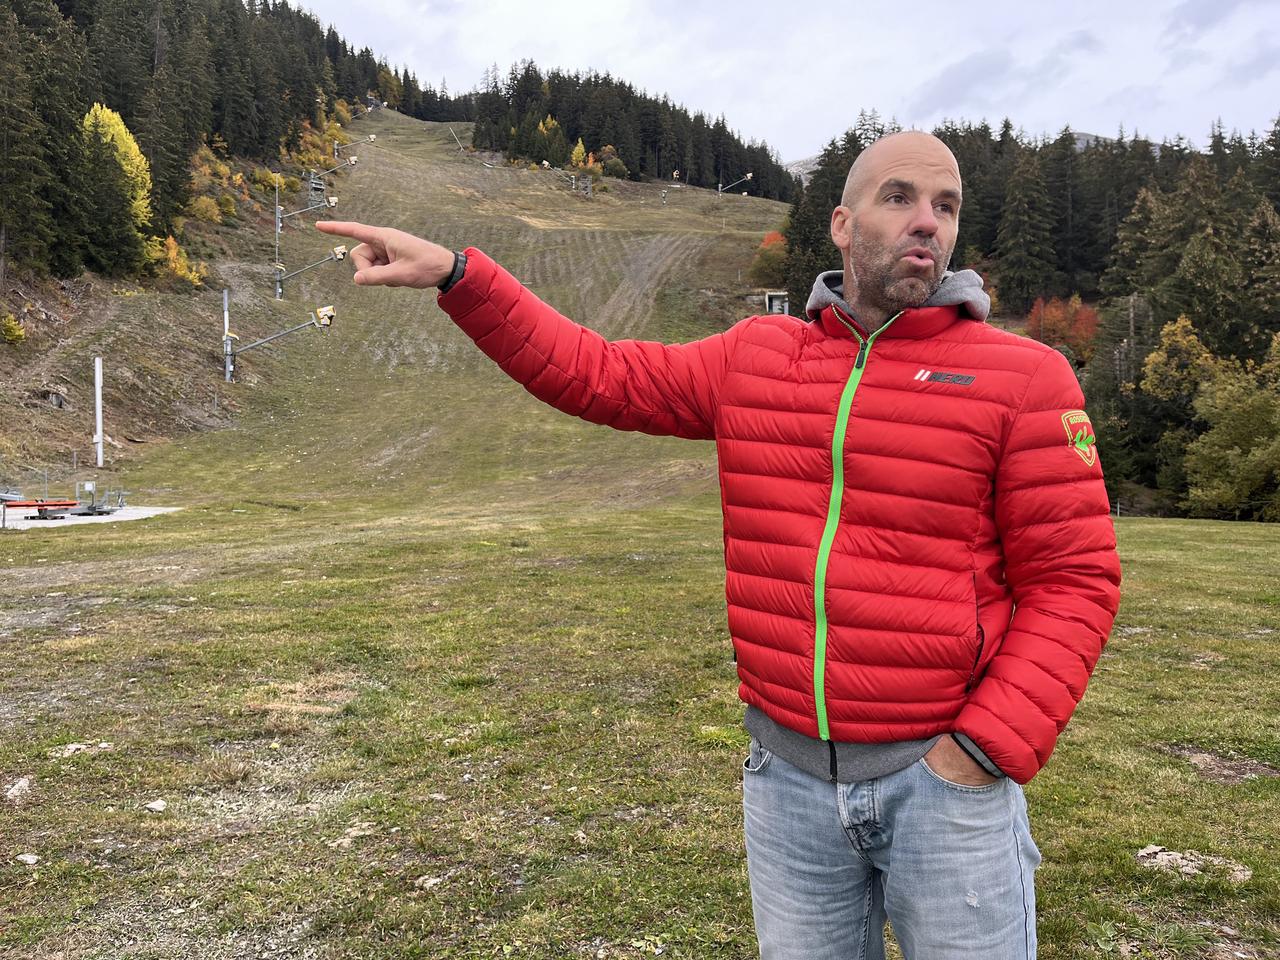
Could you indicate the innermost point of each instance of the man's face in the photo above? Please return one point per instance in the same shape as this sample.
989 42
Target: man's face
899 228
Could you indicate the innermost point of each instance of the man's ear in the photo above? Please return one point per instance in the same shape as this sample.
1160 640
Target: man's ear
842 228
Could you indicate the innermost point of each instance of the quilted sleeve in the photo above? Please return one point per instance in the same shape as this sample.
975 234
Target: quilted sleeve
656 388
1053 519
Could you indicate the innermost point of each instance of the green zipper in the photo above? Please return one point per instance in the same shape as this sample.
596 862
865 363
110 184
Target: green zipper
833 521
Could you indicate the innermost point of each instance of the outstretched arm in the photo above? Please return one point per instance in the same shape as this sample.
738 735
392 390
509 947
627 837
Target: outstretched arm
657 388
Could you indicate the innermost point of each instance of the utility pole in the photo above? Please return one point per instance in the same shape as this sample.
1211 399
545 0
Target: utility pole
228 353
278 211
3 224
97 396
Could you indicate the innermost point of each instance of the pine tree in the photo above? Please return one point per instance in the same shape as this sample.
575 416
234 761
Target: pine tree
1063 183
1124 275
56 58
1260 297
667 153
1024 241
266 54
162 137
192 74
1206 287
121 56
1218 156
235 109
1267 169
26 228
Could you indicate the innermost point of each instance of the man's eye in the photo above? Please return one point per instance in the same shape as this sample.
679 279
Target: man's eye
946 208
896 198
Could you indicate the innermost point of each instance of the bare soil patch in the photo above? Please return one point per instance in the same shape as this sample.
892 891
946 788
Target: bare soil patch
1220 768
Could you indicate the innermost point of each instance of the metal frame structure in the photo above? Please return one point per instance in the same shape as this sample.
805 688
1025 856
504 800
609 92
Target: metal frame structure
337 254
721 188
338 147
349 162
572 178
321 318
281 216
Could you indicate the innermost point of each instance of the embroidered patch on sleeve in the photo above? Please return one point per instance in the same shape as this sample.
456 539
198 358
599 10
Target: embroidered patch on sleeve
1080 436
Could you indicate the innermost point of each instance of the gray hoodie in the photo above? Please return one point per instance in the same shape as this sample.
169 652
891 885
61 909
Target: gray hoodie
961 286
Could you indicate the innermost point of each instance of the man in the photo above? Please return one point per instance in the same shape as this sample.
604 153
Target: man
921 569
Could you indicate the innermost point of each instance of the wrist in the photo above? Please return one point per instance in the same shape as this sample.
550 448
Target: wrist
975 753
455 274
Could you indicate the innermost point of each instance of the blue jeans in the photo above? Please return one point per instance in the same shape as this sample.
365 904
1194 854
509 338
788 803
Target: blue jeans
951 866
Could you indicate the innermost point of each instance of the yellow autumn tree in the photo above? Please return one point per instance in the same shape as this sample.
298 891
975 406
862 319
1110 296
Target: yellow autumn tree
390 88
107 125
1233 468
579 156
1179 364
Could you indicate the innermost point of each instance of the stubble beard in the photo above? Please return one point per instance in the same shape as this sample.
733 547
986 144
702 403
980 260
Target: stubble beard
878 287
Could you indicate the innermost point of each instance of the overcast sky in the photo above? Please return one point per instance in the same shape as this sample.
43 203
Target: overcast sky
795 76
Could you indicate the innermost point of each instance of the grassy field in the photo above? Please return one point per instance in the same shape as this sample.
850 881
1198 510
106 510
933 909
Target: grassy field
425 669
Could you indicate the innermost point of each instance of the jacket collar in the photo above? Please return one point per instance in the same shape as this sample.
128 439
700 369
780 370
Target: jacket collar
916 323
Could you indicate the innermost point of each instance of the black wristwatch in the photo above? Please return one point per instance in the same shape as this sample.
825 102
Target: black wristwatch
459 268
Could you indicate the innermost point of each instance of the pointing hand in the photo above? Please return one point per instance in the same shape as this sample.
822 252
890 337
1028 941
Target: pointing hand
392 258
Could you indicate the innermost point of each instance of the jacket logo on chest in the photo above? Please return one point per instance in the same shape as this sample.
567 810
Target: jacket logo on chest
937 376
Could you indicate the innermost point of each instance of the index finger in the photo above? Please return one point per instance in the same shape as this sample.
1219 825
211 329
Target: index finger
350 228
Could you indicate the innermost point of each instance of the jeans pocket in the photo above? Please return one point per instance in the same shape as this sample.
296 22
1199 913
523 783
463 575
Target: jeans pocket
757 758
1027 844
960 787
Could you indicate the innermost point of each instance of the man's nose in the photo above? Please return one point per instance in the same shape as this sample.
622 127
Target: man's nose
923 220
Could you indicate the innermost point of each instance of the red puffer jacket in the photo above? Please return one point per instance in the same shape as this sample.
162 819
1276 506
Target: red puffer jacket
916 531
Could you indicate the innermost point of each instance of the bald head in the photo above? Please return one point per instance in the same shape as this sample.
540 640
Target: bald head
897 223
905 149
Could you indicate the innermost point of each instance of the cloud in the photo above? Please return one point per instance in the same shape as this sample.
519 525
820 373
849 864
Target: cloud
1081 41
1264 62
968 86
1181 59
1193 18
989 81
1063 57
797 80
1136 99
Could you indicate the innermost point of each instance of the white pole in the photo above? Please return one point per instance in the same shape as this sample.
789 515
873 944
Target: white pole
228 357
97 393
277 181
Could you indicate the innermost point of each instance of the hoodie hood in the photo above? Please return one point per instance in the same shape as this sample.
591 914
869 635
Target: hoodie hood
963 287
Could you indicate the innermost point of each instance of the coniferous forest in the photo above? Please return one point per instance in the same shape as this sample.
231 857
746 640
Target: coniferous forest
547 117
251 79
174 74
1154 266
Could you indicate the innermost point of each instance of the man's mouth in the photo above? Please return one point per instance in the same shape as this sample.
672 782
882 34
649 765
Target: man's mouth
919 257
